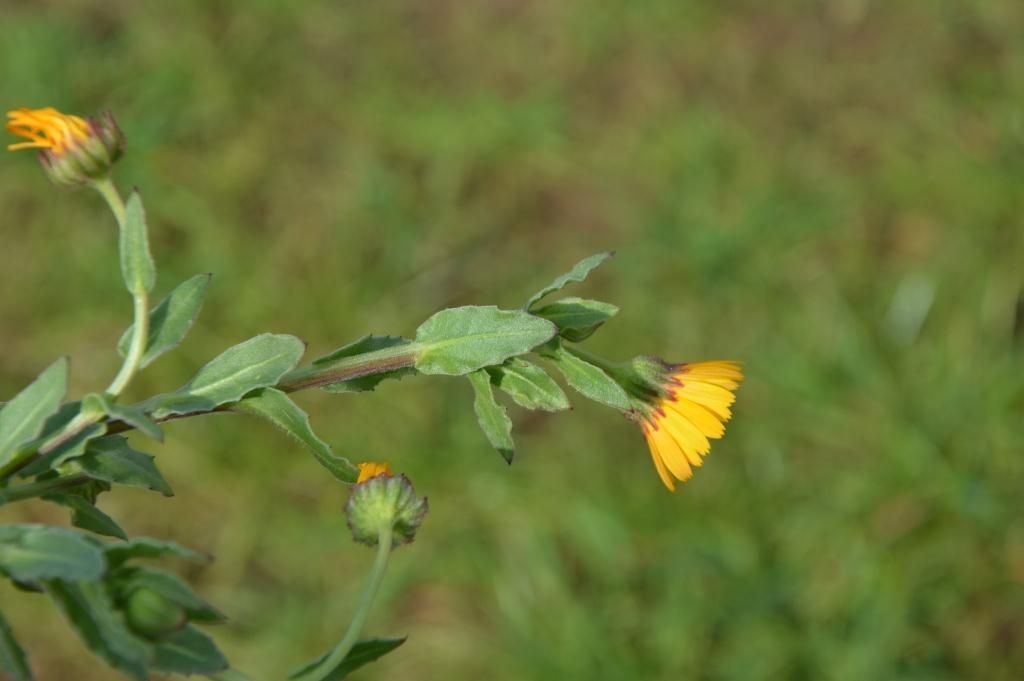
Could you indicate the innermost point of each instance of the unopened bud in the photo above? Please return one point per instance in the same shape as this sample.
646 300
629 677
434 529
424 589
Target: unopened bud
72 150
152 614
381 500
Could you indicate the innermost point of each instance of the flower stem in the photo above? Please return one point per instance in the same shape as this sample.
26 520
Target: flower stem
337 656
140 330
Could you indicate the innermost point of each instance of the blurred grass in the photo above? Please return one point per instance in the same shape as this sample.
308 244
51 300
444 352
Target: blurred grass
829 191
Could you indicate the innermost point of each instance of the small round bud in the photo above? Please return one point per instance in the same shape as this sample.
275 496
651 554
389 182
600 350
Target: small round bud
152 614
381 500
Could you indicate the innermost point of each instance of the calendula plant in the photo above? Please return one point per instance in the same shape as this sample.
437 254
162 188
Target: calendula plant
140 619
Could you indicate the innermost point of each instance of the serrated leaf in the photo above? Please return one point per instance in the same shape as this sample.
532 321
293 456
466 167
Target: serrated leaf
12 657
23 418
170 321
493 417
29 552
100 626
85 515
578 273
276 407
257 363
460 340
111 459
188 651
127 579
577 318
587 379
528 385
147 547
132 416
137 265
362 346
362 653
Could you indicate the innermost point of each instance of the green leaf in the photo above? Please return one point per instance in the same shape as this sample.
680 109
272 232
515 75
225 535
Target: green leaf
257 363
587 379
29 552
100 626
493 417
171 320
362 346
577 318
132 416
529 385
362 653
127 579
136 262
578 273
276 407
111 459
147 547
188 651
69 449
86 516
24 416
12 657
460 340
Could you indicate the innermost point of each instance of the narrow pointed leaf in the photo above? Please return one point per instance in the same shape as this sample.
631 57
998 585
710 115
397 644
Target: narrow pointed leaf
460 340
101 627
577 318
578 273
86 516
362 653
22 419
137 265
257 363
111 459
587 379
188 651
147 547
275 406
30 552
170 321
529 385
493 417
13 662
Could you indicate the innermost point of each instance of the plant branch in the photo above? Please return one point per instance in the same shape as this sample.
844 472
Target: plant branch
40 489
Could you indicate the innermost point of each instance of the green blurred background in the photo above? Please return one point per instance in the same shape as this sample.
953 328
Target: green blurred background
829 191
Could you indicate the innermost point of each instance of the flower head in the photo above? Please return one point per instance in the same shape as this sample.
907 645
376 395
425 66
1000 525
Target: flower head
72 150
381 500
680 408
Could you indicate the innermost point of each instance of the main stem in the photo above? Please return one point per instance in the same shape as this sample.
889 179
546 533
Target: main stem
344 647
140 330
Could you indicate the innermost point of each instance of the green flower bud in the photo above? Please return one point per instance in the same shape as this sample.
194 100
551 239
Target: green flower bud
152 614
381 500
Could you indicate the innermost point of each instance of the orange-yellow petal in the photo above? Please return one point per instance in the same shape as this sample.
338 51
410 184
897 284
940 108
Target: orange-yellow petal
659 465
670 452
690 440
372 469
706 422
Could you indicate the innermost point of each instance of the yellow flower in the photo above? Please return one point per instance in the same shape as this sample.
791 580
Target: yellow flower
693 406
372 469
73 150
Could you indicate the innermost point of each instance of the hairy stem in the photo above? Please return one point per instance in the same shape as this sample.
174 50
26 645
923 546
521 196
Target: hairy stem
351 636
